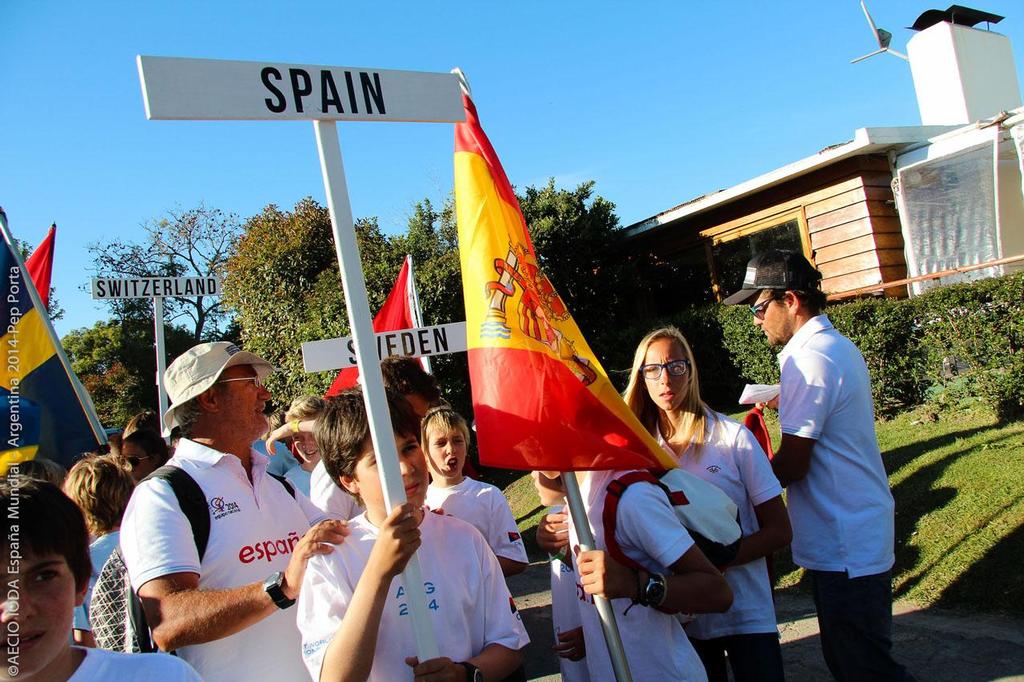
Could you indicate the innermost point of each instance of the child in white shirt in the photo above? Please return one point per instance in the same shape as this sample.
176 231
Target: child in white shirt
445 436
353 613
47 577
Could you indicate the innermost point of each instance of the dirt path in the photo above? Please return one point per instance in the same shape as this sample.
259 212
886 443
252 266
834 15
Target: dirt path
936 645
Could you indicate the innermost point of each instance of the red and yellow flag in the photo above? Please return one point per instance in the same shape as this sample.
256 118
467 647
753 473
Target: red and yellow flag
541 399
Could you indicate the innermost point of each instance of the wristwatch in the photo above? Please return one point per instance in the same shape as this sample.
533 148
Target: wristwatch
473 673
654 590
272 586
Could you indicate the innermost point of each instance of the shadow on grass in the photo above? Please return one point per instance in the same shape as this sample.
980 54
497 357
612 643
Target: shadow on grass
915 498
994 582
530 513
897 458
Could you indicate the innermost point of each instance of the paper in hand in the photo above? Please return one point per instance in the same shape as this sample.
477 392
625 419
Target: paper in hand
758 393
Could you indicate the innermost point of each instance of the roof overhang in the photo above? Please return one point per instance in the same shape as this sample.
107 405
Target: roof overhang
866 141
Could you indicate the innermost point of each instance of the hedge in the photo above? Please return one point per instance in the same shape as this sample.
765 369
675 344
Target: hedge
953 342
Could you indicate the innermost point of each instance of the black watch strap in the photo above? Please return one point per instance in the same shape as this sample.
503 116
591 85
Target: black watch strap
473 673
272 586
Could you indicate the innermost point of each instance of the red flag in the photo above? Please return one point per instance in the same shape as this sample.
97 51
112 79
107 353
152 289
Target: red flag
397 313
541 398
40 266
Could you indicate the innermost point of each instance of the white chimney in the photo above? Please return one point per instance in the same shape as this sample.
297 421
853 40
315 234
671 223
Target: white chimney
962 74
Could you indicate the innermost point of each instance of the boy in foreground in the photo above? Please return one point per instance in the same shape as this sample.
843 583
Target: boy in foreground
354 617
47 550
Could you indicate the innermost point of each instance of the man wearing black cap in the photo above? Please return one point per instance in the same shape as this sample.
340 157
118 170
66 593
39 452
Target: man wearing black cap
839 501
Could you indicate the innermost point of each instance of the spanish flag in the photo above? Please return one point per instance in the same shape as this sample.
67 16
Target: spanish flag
541 399
41 414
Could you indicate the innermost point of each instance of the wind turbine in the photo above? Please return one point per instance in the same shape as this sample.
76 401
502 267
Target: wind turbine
881 35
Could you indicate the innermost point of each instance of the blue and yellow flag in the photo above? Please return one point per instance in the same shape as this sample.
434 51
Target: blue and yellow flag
40 412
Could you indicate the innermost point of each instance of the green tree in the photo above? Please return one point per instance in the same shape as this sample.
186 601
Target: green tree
432 241
284 286
116 362
191 243
583 252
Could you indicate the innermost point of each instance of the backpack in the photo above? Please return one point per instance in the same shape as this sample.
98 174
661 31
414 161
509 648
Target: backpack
115 611
707 513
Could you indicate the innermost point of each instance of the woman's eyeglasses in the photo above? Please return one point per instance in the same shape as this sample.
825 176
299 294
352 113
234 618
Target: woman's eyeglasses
675 368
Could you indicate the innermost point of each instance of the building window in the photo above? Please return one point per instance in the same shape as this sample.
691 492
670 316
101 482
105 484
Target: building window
730 251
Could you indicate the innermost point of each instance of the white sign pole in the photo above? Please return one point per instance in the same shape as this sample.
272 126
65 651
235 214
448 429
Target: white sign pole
374 397
161 355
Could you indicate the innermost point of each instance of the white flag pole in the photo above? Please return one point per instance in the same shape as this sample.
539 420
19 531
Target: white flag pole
161 355
609 626
374 397
414 306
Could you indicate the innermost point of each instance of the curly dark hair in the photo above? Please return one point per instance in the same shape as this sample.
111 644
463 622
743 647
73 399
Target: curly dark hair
406 375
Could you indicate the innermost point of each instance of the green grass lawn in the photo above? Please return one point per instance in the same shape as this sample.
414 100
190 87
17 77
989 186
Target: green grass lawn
958 481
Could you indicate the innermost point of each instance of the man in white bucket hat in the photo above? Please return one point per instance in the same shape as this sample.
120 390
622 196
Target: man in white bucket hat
222 607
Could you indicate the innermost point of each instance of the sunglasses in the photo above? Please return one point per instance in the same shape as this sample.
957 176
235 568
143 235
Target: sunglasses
675 368
256 380
134 460
761 308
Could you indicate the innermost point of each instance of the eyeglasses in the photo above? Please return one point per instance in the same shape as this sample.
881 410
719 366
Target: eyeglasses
256 380
676 368
761 308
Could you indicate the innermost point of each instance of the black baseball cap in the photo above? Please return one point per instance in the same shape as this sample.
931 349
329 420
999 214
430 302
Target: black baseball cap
778 270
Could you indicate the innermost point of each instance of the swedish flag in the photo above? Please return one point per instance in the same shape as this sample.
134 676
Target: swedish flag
44 411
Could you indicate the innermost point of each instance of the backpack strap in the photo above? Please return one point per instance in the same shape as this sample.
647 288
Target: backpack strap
609 515
191 500
285 482
137 619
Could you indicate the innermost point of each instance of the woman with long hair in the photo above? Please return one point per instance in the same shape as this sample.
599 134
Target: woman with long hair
664 393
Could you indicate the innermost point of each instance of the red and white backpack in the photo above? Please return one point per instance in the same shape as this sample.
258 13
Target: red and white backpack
707 513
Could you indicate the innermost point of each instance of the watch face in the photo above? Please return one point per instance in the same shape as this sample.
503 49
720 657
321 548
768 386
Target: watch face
655 590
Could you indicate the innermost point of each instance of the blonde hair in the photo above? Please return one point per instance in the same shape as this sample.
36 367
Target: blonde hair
100 487
639 400
442 417
305 407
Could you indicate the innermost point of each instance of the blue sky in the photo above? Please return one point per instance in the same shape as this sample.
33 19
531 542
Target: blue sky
656 102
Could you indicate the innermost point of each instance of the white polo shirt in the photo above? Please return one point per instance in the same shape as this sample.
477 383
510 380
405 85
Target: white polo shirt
732 460
253 529
468 603
842 511
485 507
650 533
329 497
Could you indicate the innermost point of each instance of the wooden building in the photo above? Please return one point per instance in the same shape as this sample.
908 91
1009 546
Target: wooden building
837 206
